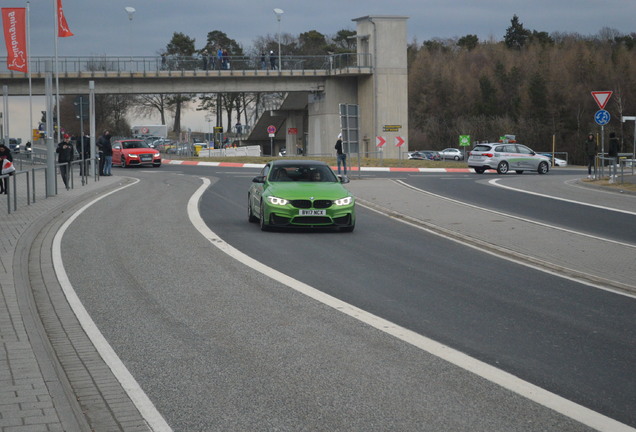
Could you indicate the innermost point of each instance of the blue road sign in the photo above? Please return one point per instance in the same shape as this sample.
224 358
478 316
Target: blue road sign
602 117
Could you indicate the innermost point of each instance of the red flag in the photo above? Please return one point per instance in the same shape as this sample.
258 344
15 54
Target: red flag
14 24
62 25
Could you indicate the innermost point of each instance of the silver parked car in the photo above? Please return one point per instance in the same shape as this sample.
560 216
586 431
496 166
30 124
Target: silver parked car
504 157
452 153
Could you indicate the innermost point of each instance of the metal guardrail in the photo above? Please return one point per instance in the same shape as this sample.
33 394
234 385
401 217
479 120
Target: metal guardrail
23 186
613 162
149 64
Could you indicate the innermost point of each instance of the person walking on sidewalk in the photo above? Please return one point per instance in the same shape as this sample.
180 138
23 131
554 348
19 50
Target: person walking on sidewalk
106 150
613 154
590 153
65 155
340 155
5 153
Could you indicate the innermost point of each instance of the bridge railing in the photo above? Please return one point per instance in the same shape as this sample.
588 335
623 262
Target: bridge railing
150 64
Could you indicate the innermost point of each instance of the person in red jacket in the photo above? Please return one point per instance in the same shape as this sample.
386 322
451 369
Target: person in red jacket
5 153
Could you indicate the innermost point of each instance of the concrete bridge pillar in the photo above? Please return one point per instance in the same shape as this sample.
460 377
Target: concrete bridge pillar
383 96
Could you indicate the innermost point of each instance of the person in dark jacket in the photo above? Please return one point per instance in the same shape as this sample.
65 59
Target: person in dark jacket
612 152
65 155
106 153
590 153
84 150
5 153
341 156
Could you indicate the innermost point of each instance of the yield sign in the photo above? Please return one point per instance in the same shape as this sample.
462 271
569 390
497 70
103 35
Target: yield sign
601 97
399 141
379 141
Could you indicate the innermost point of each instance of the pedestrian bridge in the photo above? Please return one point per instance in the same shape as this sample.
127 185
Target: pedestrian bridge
185 74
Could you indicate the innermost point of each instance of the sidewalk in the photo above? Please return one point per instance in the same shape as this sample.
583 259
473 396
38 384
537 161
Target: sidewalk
44 384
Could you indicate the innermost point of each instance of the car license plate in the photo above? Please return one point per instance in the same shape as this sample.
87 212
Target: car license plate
146 158
312 212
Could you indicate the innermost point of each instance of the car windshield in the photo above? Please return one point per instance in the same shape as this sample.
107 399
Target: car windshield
302 173
134 144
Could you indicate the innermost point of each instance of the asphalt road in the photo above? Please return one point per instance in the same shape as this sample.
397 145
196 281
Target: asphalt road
218 346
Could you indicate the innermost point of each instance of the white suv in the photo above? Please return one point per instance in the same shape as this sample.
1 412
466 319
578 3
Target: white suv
504 157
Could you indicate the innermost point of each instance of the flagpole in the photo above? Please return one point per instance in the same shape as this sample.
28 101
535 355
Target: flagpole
57 77
29 67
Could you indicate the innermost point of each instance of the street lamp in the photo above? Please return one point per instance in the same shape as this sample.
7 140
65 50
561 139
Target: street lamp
130 11
279 13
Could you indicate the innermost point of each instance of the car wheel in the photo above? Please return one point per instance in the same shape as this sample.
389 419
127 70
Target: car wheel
250 214
503 167
264 226
479 170
519 171
122 162
543 168
456 158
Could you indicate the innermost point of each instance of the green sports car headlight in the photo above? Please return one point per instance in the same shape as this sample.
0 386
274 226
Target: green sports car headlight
343 201
277 201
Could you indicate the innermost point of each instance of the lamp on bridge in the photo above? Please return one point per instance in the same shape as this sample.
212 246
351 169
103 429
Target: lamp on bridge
279 13
130 11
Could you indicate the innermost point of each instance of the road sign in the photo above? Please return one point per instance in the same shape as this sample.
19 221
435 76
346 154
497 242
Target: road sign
399 141
602 117
271 129
601 98
379 141
464 140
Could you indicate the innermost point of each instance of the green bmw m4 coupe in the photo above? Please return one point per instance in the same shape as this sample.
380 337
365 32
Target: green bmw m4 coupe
300 193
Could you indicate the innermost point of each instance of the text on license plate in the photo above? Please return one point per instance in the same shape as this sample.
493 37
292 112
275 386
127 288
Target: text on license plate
304 212
146 158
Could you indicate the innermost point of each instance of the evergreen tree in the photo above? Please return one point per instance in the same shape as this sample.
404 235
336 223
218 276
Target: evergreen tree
516 36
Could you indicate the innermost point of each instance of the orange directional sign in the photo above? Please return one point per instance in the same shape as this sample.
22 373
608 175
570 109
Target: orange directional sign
399 141
379 141
601 97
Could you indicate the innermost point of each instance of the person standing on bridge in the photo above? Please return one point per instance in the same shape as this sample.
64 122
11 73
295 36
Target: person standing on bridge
590 154
272 60
219 57
341 155
205 58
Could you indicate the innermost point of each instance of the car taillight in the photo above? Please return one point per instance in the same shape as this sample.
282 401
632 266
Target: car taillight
488 154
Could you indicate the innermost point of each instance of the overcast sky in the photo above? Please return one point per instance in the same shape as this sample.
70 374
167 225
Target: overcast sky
103 28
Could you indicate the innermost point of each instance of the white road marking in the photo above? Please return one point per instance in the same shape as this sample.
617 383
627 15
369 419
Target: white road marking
495 182
579 233
504 379
143 403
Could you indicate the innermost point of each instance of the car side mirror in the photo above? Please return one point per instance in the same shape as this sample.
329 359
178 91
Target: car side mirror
117 148
258 179
343 178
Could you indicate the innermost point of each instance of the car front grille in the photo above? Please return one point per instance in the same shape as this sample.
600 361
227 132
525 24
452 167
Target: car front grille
305 204
312 220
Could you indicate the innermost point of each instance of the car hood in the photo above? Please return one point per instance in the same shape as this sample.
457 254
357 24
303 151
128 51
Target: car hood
306 190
